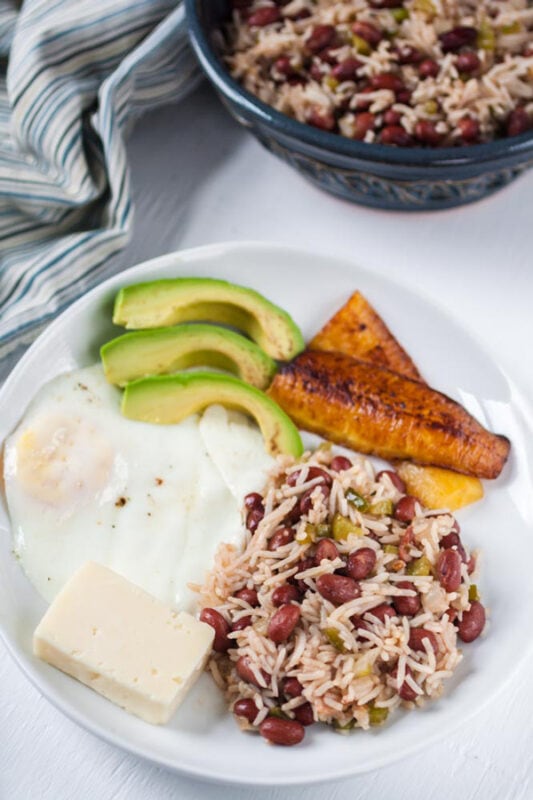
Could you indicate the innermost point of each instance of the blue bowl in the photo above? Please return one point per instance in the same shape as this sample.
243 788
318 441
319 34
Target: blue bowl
382 176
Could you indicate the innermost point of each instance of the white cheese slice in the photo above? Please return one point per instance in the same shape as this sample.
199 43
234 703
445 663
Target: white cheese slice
123 643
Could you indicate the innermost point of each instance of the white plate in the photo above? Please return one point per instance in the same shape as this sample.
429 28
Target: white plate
203 740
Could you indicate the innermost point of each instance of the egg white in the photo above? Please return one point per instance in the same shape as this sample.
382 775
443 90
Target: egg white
150 501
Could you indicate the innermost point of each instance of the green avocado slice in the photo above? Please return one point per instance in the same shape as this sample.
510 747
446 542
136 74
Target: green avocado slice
170 301
168 399
165 350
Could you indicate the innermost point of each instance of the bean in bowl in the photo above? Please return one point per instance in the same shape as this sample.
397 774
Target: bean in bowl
435 73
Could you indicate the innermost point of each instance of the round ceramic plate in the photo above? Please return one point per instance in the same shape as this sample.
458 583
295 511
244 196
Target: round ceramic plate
203 739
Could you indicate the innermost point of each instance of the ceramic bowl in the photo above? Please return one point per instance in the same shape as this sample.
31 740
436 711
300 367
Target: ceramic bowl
414 179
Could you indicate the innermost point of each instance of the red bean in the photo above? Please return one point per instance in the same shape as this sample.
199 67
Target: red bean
453 540
426 132
391 117
338 589
364 121
286 593
340 463
215 619
248 595
245 707
304 714
245 673
407 605
264 16
518 122
319 118
241 623
312 474
472 623
392 476
241 4
361 103
283 622
253 519
456 38
397 135
327 55
286 732
428 68
326 549
404 97
368 32
449 570
382 611
254 500
345 71
387 80
361 563
408 54
292 687
284 67
321 36
405 691
306 500
303 14
467 61
405 509
302 565
280 538
468 128
416 640
359 625
404 550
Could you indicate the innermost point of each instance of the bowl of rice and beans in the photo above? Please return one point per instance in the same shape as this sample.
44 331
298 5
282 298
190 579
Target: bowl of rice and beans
347 601
414 104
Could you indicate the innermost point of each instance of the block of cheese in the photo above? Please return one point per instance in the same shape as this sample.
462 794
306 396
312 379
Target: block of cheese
123 643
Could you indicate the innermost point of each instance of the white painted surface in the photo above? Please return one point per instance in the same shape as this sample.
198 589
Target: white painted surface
198 178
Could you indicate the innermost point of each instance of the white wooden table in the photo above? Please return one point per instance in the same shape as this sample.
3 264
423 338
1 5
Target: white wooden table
198 178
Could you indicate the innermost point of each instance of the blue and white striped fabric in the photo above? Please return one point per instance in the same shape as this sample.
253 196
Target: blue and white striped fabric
78 74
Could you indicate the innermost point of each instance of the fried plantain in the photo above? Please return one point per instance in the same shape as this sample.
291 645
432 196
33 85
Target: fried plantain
358 330
374 410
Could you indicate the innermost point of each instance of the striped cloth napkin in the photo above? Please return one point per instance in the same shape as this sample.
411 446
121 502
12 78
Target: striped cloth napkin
78 74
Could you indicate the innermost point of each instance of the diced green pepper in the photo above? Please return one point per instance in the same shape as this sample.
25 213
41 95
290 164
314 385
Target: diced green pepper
391 549
399 14
513 27
383 508
334 638
377 716
342 527
332 82
473 593
420 566
347 726
431 107
357 500
278 713
361 45
306 536
486 38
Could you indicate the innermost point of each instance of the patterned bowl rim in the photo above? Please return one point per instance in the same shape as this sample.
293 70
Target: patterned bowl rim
340 145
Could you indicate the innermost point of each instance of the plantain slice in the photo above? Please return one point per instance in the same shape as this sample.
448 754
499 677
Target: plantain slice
358 330
374 410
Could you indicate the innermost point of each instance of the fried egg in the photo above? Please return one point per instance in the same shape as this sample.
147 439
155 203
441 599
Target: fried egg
151 502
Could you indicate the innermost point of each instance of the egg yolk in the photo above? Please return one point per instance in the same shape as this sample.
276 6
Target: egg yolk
62 462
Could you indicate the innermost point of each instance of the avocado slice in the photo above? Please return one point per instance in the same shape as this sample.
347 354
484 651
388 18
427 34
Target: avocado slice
169 301
168 399
165 350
